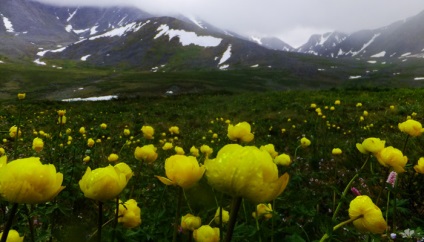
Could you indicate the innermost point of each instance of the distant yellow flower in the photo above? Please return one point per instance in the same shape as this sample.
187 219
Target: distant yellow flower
190 222
240 132
179 150
263 210
122 167
82 130
167 146
194 151
113 157
392 157
411 127
103 126
365 113
370 216
283 160
371 145
174 130
13 130
129 214
13 236
37 144
336 151
146 153
304 142
205 149
225 216
181 170
2 151
358 105
86 159
419 167
392 107
90 142
148 132
313 105
270 149
21 96
27 180
61 113
245 172
206 234
127 132
103 183
337 102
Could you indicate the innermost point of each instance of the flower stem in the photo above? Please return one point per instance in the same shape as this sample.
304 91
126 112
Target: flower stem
325 236
99 225
115 223
235 206
30 222
9 222
177 214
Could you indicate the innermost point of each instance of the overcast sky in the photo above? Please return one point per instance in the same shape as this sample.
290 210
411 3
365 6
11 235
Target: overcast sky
293 21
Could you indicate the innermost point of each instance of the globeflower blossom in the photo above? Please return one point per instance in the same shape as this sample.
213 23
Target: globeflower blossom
148 132
113 157
371 145
103 183
183 171
370 216
304 142
205 149
174 130
392 157
21 96
194 151
27 180
336 151
167 146
240 132
129 214
146 153
263 211
103 126
270 149
13 236
90 142
225 216
419 167
206 233
13 130
37 144
190 222
411 127
283 160
245 172
179 150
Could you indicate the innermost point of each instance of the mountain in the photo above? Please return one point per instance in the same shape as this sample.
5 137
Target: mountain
401 39
272 43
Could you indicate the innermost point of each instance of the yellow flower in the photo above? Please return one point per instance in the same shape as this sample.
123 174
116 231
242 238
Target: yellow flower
240 132
358 105
37 144
113 157
127 132
61 113
21 96
146 153
313 105
206 234
411 127
174 130
181 170
337 102
129 214
225 216
336 151
61 120
2 151
270 149
179 150
148 132
167 146
122 167
13 130
304 142
82 130
392 157
13 236
419 167
86 159
392 107
245 172
263 210
205 149
103 126
194 151
190 222
371 145
371 219
282 160
90 142
104 183
27 180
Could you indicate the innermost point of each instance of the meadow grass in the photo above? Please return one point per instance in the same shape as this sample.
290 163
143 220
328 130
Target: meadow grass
304 212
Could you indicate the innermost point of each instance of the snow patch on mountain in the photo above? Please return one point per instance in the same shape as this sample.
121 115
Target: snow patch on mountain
418 78
225 56
101 98
381 54
187 38
366 44
133 27
71 15
38 62
196 22
84 58
68 28
256 39
7 24
42 53
93 30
